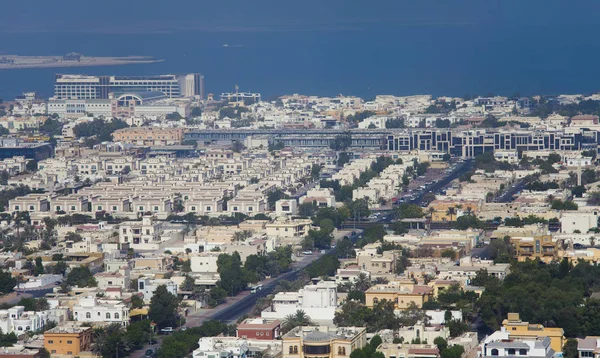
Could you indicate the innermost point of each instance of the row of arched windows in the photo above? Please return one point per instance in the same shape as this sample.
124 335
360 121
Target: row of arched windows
88 315
510 351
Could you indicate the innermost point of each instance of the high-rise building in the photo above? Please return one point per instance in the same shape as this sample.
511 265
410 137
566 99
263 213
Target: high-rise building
99 87
192 85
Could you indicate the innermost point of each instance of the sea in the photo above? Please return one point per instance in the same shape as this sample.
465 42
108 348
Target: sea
525 50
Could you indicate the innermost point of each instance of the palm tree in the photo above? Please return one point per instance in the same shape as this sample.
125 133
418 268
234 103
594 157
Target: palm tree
592 241
362 282
300 318
431 210
469 211
451 212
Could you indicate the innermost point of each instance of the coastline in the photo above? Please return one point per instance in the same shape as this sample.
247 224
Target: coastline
28 62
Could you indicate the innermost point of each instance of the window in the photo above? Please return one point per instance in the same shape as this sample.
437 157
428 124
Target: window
69 342
587 354
494 352
375 300
31 207
108 315
73 207
115 208
257 334
116 316
88 315
514 328
511 351
295 349
50 341
523 352
291 349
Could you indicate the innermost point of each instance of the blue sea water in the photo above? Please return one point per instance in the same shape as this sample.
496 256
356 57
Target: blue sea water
463 47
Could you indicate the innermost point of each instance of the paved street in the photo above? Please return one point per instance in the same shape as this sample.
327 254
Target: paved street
239 305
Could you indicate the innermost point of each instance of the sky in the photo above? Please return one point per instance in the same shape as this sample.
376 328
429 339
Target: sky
156 16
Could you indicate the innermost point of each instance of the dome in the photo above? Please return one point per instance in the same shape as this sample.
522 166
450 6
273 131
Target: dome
316 336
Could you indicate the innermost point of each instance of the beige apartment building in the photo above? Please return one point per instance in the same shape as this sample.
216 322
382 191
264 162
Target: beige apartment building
149 135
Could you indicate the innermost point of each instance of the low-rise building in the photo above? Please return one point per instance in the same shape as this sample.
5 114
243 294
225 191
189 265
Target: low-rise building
144 235
501 344
518 329
539 247
318 301
91 310
259 328
303 342
235 347
402 295
393 350
68 340
147 286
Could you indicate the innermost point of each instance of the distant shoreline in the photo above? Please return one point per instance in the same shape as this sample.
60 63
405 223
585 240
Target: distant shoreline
9 62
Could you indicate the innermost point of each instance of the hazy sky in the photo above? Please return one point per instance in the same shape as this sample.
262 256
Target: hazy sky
146 16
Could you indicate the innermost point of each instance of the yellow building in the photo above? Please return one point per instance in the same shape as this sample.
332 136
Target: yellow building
519 329
401 295
441 286
68 340
540 247
439 209
323 342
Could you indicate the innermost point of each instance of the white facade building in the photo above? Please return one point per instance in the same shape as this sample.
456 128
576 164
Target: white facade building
17 320
576 220
500 344
318 301
144 235
147 286
89 309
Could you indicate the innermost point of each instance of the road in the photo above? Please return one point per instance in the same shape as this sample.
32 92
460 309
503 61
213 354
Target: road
509 194
441 183
241 304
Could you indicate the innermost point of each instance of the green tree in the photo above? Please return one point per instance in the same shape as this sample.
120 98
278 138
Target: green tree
375 342
136 301
81 277
441 343
570 348
110 341
456 351
300 318
188 284
7 282
39 267
138 333
163 308
358 353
